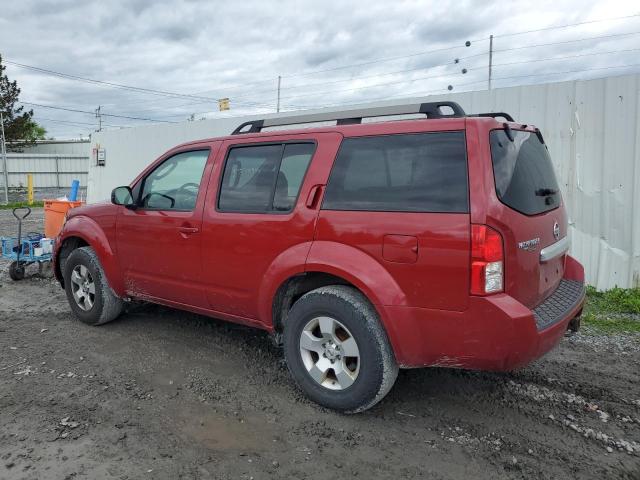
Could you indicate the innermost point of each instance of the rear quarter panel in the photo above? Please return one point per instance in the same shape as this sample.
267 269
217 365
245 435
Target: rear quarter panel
526 279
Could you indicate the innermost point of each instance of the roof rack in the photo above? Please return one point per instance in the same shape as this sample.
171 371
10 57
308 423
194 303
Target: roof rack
504 115
355 116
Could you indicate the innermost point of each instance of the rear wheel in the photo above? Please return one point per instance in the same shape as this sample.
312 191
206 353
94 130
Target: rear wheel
16 271
91 299
337 350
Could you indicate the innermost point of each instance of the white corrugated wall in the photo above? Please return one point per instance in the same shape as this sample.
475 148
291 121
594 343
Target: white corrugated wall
590 126
49 171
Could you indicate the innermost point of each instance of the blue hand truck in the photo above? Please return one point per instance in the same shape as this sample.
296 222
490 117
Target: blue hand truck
23 251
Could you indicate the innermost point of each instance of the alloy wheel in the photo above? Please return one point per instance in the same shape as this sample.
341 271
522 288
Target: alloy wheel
83 287
330 353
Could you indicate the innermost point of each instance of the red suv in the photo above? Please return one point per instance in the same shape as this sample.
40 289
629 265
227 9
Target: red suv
362 247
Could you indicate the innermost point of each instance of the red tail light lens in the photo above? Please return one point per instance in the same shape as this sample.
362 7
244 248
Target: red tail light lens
487 261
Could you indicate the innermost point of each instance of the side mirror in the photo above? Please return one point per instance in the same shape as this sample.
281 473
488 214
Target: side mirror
122 196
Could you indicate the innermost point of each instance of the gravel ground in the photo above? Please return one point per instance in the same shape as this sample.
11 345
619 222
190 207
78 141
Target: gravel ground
164 394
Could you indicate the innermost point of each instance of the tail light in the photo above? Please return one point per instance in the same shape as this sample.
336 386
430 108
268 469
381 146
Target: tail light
487 261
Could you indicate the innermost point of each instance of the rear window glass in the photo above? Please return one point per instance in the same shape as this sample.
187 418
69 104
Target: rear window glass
400 173
523 172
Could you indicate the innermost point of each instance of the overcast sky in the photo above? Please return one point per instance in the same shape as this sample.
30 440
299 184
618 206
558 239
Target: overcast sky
328 53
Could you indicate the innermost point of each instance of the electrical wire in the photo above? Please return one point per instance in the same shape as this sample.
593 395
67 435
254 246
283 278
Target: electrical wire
69 122
588 22
566 41
93 113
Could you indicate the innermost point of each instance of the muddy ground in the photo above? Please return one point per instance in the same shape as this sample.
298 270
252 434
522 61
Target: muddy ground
164 394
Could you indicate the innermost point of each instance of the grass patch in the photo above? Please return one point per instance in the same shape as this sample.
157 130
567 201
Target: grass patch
616 300
610 325
613 311
11 206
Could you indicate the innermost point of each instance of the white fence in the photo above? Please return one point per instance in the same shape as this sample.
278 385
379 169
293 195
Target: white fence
49 171
592 128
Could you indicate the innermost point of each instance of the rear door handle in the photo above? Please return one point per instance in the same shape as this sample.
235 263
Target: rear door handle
314 196
188 230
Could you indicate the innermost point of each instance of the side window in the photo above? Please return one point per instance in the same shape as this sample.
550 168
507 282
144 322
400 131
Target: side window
400 173
175 183
295 160
264 178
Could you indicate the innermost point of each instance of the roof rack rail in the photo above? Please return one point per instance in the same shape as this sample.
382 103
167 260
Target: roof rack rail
504 115
355 116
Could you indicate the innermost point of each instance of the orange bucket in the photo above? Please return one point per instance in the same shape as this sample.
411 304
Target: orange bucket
54 212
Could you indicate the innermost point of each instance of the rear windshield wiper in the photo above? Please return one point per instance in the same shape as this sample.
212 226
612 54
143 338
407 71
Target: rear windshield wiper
545 192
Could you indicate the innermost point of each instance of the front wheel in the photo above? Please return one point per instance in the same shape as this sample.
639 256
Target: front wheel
337 350
91 299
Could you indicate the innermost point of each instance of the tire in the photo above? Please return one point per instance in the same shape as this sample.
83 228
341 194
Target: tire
372 374
16 271
99 304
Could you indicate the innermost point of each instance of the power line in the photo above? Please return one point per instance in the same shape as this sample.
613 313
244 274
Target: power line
566 41
132 88
560 58
387 59
543 74
312 94
566 25
432 67
69 122
108 84
93 113
445 90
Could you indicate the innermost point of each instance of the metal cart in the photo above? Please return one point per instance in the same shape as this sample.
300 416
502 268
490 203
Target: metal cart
24 251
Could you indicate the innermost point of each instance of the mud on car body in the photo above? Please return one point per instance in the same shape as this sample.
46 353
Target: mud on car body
363 247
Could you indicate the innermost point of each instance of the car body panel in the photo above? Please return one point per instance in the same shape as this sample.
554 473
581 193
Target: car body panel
158 257
241 250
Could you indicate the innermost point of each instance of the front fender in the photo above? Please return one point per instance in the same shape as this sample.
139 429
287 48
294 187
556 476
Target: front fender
91 233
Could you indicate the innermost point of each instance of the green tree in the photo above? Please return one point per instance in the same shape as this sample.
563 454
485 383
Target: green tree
19 127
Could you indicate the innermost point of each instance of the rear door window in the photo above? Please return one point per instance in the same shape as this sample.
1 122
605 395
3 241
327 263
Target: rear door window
523 172
264 178
400 173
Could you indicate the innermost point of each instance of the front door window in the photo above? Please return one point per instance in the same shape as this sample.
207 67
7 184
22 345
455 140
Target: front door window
174 184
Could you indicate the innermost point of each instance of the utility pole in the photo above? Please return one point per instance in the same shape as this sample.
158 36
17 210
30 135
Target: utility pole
99 117
490 58
3 151
278 104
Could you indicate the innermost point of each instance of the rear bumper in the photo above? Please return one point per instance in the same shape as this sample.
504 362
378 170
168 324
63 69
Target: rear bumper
495 333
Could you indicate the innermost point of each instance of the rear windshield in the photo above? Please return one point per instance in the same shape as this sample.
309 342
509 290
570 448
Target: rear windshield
400 173
523 172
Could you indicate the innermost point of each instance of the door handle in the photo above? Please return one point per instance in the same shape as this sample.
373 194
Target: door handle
188 230
314 196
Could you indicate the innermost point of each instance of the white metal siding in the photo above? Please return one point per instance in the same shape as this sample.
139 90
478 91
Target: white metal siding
590 126
43 167
55 147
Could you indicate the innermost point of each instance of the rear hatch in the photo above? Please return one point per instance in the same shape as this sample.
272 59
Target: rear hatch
534 216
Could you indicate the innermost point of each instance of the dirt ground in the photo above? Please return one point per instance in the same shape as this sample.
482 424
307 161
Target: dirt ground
162 394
